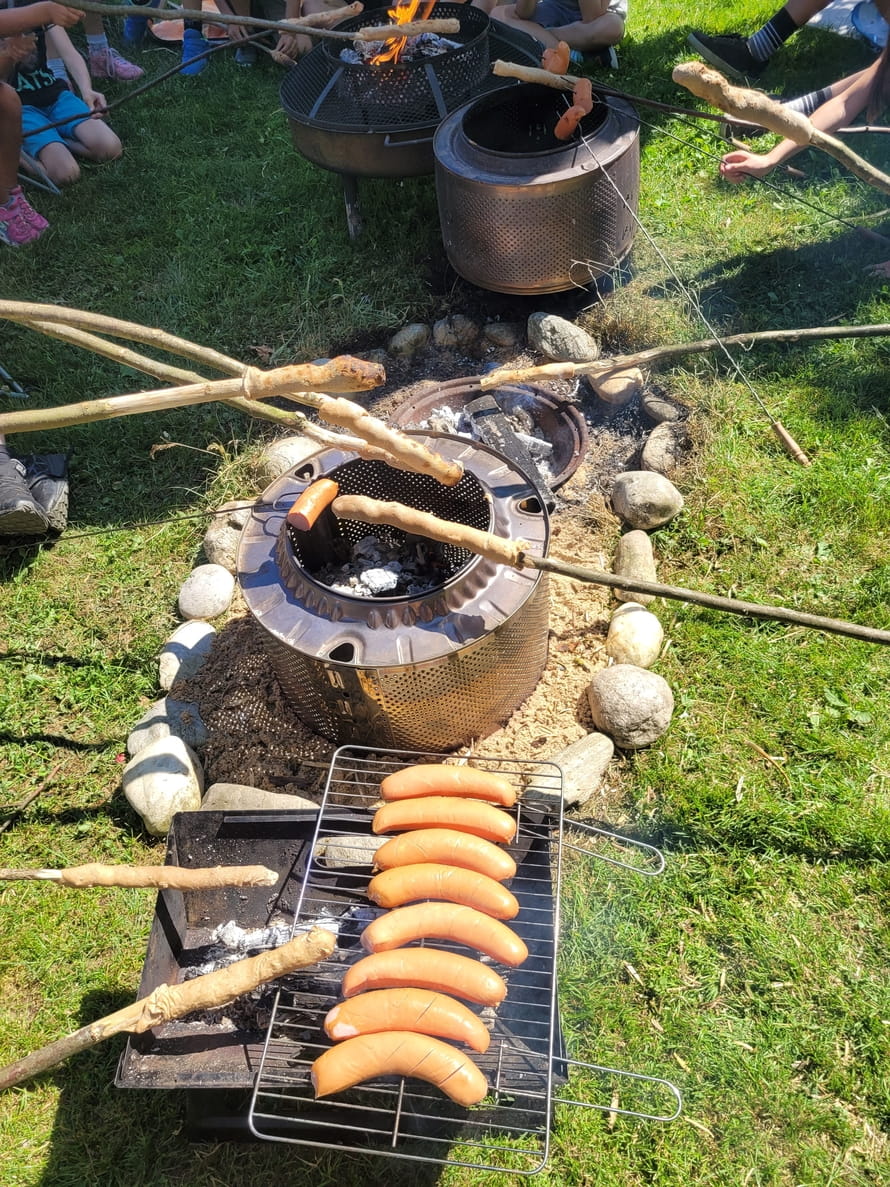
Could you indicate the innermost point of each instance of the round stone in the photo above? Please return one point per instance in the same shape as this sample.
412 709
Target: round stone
206 592
630 704
643 499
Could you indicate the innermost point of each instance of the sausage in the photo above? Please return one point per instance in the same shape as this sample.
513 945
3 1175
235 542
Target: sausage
310 504
467 816
556 59
426 968
399 1053
568 122
444 921
420 1010
439 779
448 847
407 884
582 95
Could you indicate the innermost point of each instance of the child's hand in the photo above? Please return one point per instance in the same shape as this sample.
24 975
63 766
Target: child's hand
738 165
18 47
96 102
293 46
59 14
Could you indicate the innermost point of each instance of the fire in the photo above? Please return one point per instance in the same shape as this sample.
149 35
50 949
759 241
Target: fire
404 12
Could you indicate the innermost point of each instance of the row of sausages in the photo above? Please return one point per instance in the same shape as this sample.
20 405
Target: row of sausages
398 1004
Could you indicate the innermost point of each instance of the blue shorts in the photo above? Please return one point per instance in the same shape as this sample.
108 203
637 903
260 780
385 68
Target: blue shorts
66 107
553 14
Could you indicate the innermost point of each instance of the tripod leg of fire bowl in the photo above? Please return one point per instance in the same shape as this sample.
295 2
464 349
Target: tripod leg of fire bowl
354 223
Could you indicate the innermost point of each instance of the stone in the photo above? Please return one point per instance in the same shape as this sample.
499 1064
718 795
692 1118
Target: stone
635 636
341 853
284 455
378 356
457 330
561 340
206 592
410 340
239 797
618 387
162 779
659 407
165 719
665 448
634 558
583 765
224 533
184 653
506 334
643 499
630 704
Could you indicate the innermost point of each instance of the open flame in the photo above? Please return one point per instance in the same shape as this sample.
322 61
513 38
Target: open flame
404 12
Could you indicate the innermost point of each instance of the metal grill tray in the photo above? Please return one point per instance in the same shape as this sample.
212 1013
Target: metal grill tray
409 1119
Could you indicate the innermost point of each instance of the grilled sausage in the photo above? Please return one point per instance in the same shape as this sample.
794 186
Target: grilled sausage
439 779
310 504
568 122
582 95
407 884
556 59
420 1010
399 1053
467 816
448 847
426 968
444 921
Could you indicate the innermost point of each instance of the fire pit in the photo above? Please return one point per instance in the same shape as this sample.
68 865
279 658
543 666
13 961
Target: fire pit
442 646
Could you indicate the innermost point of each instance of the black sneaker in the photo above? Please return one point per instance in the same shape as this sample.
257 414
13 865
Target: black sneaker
728 52
20 514
47 478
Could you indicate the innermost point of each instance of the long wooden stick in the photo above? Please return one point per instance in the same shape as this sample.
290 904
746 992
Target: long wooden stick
754 107
174 1001
515 554
160 877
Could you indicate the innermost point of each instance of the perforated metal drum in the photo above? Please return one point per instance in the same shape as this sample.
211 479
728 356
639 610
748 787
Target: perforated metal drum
522 212
434 668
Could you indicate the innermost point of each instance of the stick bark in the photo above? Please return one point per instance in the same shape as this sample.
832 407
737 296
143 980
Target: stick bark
159 877
514 553
174 1001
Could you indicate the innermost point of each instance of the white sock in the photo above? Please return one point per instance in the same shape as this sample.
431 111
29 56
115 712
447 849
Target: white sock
97 41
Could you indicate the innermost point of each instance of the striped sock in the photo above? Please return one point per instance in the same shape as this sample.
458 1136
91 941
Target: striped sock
58 68
97 41
764 43
807 104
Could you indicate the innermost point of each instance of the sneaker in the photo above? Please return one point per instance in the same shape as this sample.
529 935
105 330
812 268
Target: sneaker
47 478
606 57
108 63
15 230
20 514
26 210
729 53
246 55
193 43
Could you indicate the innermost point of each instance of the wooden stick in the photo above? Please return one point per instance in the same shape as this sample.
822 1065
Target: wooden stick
174 1001
514 553
160 877
754 107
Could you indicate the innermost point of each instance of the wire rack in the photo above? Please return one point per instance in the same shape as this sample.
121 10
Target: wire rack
526 1061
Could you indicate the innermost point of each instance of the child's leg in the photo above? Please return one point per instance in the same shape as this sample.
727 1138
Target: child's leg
10 139
48 147
551 22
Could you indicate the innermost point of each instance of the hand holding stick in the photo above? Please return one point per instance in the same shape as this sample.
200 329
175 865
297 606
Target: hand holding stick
174 1001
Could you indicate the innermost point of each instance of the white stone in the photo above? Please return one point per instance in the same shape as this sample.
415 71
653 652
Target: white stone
166 718
235 797
630 704
618 387
224 533
161 780
642 499
282 456
206 592
583 765
340 853
410 340
635 636
560 339
184 653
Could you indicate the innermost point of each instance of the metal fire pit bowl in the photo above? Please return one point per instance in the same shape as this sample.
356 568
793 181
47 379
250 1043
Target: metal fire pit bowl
433 669
556 419
524 213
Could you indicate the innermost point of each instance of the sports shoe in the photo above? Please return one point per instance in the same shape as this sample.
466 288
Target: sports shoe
246 55
26 210
108 63
15 229
606 57
136 27
193 43
46 475
20 514
729 53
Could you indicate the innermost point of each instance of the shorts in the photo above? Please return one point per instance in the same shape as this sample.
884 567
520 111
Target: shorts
552 14
66 107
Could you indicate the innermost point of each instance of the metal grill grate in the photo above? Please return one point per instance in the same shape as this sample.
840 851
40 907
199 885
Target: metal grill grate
406 1118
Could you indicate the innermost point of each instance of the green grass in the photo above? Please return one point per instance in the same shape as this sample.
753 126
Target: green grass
754 972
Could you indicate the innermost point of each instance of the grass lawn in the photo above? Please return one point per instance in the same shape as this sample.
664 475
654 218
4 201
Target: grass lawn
754 973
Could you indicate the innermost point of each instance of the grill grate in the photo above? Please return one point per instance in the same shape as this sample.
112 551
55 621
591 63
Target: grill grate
407 1118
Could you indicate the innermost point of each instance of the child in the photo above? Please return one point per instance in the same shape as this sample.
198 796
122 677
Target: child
588 27
47 99
19 222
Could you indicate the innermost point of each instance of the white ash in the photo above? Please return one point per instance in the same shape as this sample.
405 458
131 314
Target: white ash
378 568
520 420
238 939
425 45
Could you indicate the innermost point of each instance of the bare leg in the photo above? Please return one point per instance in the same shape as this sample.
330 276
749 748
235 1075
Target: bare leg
10 139
581 35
